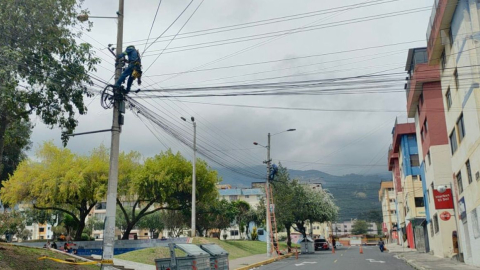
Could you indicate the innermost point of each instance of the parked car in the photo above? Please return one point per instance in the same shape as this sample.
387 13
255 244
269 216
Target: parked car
321 244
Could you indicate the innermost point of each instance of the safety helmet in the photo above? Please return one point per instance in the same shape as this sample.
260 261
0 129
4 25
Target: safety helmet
131 47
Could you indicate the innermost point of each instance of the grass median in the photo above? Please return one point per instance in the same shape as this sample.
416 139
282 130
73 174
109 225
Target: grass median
235 248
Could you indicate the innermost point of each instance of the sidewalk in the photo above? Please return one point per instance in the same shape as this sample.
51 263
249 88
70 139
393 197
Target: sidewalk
246 261
424 261
133 265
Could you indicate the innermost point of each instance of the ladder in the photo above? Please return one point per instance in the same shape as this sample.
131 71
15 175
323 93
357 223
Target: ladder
273 223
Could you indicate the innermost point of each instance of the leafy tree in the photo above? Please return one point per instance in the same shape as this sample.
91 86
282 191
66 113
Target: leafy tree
12 223
153 223
359 227
242 217
45 71
296 204
60 180
175 222
163 182
16 142
225 214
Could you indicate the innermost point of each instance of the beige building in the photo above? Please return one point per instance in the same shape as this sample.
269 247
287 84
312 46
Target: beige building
453 44
387 198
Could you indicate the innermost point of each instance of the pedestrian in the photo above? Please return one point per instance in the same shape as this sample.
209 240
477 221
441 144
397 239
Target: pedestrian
54 245
65 247
48 245
381 245
334 243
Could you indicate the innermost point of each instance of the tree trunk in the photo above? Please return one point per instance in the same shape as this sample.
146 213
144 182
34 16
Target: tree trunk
289 237
78 233
127 231
3 130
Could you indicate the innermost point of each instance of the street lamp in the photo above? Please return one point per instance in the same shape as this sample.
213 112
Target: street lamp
194 172
268 161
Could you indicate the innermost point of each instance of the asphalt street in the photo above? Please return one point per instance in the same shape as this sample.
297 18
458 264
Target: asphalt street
343 259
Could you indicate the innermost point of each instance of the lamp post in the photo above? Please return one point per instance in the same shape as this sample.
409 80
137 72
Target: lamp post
267 186
194 173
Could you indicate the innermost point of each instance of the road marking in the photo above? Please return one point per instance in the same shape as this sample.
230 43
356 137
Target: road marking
335 261
303 263
374 261
341 254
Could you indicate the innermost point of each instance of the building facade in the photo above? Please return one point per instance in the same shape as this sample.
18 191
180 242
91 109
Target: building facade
425 105
387 198
453 36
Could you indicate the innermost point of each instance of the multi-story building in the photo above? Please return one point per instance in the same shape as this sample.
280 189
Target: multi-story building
404 163
387 198
425 105
345 228
453 35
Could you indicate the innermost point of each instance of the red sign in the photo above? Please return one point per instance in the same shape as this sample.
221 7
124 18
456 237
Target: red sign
445 216
443 200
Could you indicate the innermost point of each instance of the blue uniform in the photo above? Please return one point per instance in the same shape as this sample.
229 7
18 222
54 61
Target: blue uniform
133 59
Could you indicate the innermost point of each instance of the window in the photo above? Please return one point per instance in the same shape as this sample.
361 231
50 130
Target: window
469 172
414 162
102 205
233 197
455 76
234 233
419 202
247 196
435 223
453 141
459 182
429 158
41 229
100 216
450 36
460 128
146 234
393 212
443 60
448 97
421 99
475 225
425 124
260 232
392 200
432 233
422 134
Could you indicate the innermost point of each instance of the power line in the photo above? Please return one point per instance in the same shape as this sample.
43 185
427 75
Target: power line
151 27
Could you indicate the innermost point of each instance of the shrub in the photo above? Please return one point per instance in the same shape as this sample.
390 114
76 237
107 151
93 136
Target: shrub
225 236
85 237
254 234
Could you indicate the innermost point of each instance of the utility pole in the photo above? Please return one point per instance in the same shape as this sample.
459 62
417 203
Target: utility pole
267 190
109 227
194 177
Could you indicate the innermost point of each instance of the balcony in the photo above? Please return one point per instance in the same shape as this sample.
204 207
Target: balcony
442 13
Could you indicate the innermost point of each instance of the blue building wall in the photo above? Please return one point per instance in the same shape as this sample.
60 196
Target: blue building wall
409 147
424 188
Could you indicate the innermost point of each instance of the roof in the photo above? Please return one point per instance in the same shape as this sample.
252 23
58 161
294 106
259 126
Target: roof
238 192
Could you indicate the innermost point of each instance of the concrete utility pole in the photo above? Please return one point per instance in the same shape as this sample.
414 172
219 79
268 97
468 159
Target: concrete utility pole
109 227
194 175
267 190
194 178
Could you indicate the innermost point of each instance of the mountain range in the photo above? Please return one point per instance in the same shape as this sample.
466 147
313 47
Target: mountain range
354 194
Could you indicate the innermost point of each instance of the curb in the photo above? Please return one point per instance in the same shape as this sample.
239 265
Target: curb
253 265
413 264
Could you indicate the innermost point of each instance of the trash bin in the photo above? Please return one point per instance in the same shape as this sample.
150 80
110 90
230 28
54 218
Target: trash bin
218 256
307 245
196 258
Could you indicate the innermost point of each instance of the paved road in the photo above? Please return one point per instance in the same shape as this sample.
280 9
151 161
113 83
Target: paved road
343 259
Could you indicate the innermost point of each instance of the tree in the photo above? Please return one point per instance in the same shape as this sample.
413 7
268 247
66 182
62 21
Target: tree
175 222
242 217
163 182
359 227
60 180
16 142
153 223
225 215
47 70
11 223
296 204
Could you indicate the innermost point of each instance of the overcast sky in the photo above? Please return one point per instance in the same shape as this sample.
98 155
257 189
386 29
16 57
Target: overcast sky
337 142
